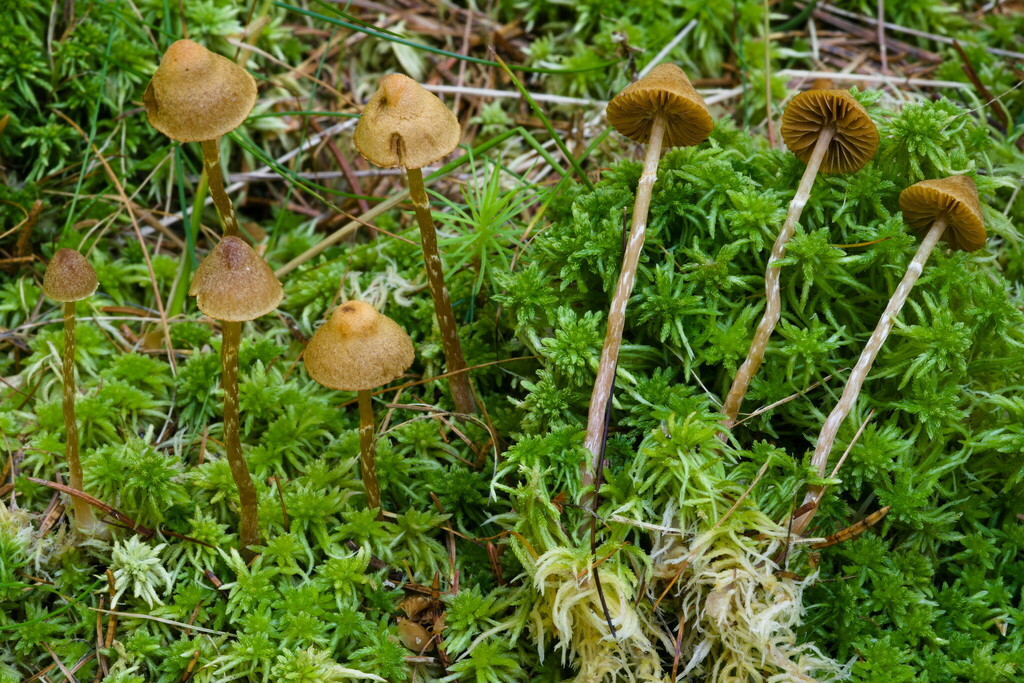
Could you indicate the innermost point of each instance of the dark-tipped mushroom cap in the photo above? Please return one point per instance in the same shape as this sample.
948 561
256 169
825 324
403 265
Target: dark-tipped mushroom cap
197 95
233 283
856 137
404 125
665 89
358 349
69 277
953 199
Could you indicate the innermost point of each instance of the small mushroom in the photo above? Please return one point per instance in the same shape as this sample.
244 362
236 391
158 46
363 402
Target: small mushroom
830 131
233 284
359 349
404 125
946 209
662 109
198 96
69 278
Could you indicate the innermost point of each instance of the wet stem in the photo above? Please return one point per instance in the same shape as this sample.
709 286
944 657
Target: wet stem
85 518
211 160
249 530
367 457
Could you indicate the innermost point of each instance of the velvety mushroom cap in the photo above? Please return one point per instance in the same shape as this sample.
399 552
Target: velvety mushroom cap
955 200
69 277
233 283
404 125
197 95
856 137
358 349
665 89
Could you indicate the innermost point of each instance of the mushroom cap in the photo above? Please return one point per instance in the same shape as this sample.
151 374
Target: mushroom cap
856 137
404 125
198 95
69 277
666 89
233 283
358 349
955 200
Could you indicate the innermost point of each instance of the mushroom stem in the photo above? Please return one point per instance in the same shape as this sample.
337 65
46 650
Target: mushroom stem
773 297
367 456
605 380
830 429
249 528
211 160
85 517
458 380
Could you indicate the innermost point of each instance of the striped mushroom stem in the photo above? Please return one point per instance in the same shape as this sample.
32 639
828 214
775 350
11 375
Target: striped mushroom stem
367 457
248 502
226 210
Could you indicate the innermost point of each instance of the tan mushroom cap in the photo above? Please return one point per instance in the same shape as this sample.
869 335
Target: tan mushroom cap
358 349
404 125
197 95
665 89
953 199
233 283
856 137
69 277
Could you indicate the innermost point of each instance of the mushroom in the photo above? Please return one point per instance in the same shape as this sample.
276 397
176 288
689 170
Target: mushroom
947 209
829 131
404 125
70 278
198 96
359 349
662 109
233 284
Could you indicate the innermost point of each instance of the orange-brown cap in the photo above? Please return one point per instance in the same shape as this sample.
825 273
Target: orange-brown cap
404 125
856 137
69 277
953 199
665 89
233 283
358 349
197 95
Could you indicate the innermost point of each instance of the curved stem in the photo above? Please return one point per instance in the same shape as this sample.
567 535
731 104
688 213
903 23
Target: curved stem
773 297
249 527
830 429
85 517
367 454
605 380
462 394
211 160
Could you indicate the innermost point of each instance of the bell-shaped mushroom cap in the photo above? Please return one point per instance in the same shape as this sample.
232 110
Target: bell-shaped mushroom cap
69 277
666 89
953 199
358 349
197 95
404 125
856 137
233 283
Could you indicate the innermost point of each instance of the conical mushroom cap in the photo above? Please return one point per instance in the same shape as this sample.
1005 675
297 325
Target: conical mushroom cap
197 95
856 138
69 277
358 349
233 283
667 89
955 200
404 125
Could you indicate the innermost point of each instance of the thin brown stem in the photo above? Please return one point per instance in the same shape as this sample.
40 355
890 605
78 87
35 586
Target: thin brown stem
605 380
367 454
830 429
773 296
211 160
462 394
249 527
85 518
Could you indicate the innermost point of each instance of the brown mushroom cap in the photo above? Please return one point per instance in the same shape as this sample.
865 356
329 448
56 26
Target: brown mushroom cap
358 349
856 137
955 200
197 95
665 89
404 125
233 283
69 277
